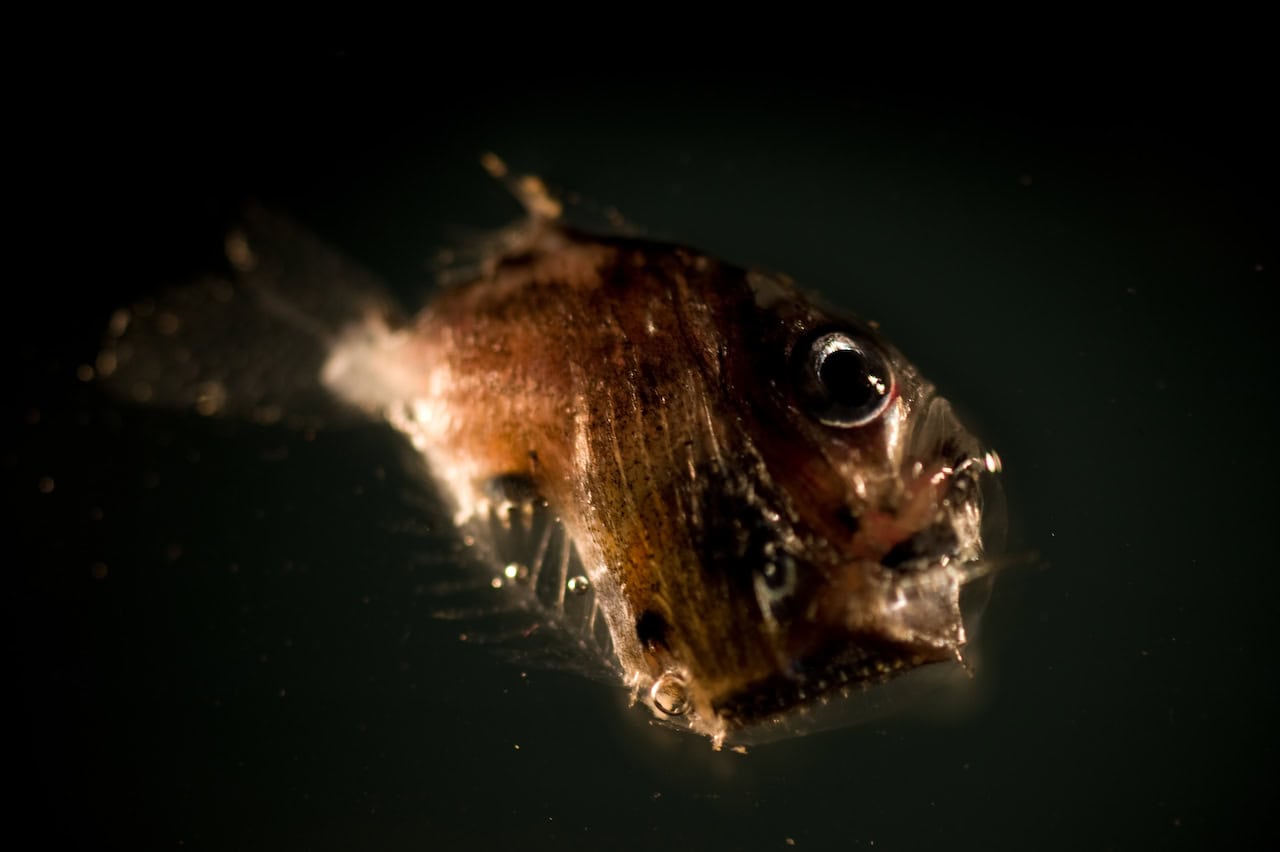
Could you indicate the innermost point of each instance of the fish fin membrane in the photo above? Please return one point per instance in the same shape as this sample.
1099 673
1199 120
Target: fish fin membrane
530 602
250 344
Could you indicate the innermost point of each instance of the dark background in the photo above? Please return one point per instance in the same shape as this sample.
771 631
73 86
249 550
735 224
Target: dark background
1080 252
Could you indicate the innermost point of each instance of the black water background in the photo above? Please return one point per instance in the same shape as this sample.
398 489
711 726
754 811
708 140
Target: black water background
1085 267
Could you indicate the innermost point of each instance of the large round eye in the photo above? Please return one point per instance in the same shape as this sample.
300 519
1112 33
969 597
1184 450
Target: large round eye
843 380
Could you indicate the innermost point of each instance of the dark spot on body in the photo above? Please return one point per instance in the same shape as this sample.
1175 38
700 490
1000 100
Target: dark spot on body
652 629
848 519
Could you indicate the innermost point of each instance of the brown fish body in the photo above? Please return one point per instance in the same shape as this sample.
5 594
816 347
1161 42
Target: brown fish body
754 504
769 502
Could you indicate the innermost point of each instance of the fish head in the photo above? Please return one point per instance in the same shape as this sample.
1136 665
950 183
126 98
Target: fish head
837 513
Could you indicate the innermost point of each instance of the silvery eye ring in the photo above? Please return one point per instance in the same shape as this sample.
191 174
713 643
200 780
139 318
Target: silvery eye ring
844 381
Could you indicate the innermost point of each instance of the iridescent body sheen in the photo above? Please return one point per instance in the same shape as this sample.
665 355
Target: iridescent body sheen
770 504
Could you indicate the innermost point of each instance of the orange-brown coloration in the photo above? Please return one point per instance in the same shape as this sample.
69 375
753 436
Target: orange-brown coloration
769 502
736 542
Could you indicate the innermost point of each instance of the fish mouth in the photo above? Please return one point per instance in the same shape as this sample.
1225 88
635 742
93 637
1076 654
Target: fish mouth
938 554
950 530
932 514
935 545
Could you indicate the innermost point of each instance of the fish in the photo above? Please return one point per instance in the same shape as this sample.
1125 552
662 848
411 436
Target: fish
747 504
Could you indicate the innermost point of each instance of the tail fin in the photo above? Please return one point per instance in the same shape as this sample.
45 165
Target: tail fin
253 344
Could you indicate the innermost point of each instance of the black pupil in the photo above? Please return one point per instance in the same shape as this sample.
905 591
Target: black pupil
845 377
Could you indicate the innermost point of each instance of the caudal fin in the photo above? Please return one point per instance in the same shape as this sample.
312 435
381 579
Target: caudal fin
253 343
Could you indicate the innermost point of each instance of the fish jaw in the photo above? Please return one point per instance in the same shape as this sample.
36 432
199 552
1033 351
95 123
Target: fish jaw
888 602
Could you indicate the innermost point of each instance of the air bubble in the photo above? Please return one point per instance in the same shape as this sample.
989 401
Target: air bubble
670 694
578 585
515 571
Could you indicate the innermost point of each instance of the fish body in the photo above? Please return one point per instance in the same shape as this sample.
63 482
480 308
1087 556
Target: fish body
747 504
769 504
